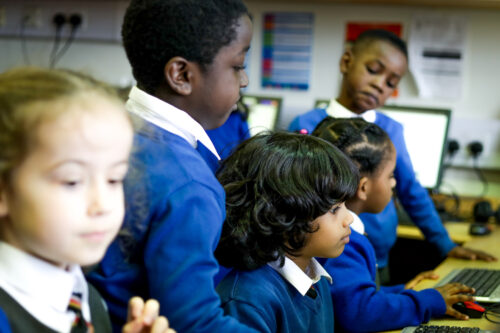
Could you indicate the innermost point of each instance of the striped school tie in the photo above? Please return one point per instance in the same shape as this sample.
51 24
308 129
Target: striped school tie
79 324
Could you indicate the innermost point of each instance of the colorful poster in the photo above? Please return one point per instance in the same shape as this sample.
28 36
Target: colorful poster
286 53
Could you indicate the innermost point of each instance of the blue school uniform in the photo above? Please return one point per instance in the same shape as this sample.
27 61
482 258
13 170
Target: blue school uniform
264 300
175 211
381 228
359 305
231 134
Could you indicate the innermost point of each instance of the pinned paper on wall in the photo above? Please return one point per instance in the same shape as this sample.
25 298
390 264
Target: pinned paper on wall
436 50
287 50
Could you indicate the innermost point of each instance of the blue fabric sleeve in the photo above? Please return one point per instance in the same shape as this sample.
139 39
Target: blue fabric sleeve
393 289
359 307
4 323
262 321
180 263
415 198
307 121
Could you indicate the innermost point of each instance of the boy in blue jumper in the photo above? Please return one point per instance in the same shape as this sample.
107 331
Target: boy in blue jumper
188 59
360 304
371 71
285 198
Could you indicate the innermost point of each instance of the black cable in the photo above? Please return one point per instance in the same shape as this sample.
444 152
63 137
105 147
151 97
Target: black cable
23 41
481 176
75 21
59 20
492 313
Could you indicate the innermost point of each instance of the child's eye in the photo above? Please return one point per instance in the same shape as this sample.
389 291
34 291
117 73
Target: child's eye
371 70
116 181
70 183
334 210
239 68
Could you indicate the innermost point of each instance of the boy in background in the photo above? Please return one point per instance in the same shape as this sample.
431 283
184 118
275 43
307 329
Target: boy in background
371 71
188 59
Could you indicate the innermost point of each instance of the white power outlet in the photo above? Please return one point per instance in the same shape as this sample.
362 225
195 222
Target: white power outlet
32 17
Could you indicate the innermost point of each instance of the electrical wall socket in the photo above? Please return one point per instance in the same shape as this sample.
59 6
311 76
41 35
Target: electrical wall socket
32 17
101 20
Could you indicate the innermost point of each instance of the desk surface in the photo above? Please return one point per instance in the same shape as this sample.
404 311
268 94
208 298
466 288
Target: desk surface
489 243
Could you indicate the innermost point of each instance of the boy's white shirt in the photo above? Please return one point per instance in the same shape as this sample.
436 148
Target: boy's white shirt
357 225
42 289
337 110
296 276
169 118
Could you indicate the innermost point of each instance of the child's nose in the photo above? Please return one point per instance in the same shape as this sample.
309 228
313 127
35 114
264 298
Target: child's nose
378 82
393 182
99 199
243 79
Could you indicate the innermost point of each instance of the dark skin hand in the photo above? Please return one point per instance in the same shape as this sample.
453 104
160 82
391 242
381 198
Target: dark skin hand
453 293
470 254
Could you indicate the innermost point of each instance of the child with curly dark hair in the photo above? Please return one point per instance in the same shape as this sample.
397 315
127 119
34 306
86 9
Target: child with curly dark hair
359 301
285 198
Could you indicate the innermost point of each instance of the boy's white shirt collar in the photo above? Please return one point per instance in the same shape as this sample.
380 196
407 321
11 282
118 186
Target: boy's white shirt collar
297 278
357 225
43 289
169 118
337 110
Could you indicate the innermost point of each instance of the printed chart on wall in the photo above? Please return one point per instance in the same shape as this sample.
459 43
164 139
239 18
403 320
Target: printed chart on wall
436 49
354 29
286 53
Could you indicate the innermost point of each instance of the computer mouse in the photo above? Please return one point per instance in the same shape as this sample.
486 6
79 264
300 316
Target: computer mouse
471 309
479 229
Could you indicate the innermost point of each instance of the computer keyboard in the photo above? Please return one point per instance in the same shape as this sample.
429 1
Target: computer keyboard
485 281
440 329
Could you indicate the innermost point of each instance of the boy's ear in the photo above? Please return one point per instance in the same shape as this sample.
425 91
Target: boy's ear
345 61
178 73
363 188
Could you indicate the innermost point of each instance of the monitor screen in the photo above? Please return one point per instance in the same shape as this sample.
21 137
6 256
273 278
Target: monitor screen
263 112
425 133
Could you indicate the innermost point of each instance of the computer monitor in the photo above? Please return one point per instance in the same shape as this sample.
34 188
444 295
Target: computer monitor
425 133
263 112
321 103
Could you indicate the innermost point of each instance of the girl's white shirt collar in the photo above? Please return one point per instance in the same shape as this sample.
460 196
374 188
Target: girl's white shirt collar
357 225
43 289
296 276
169 118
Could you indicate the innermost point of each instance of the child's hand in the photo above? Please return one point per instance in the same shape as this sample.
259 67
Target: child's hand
471 254
453 293
422 276
143 318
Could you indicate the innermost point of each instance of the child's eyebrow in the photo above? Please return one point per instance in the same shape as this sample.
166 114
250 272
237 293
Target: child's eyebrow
245 49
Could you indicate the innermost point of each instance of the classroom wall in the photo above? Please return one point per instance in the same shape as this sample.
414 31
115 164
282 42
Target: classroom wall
476 116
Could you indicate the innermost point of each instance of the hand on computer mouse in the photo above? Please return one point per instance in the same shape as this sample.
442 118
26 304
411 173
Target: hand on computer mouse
453 293
471 309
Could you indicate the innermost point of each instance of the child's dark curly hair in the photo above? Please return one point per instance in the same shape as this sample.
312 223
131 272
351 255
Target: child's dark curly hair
276 184
382 35
155 31
366 144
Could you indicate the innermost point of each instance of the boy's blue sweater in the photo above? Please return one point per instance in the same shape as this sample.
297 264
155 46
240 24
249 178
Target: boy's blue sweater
228 136
360 307
264 300
175 211
381 228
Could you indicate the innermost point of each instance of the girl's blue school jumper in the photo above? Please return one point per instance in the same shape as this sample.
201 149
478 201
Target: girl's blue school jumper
264 300
360 307
174 216
231 134
381 228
